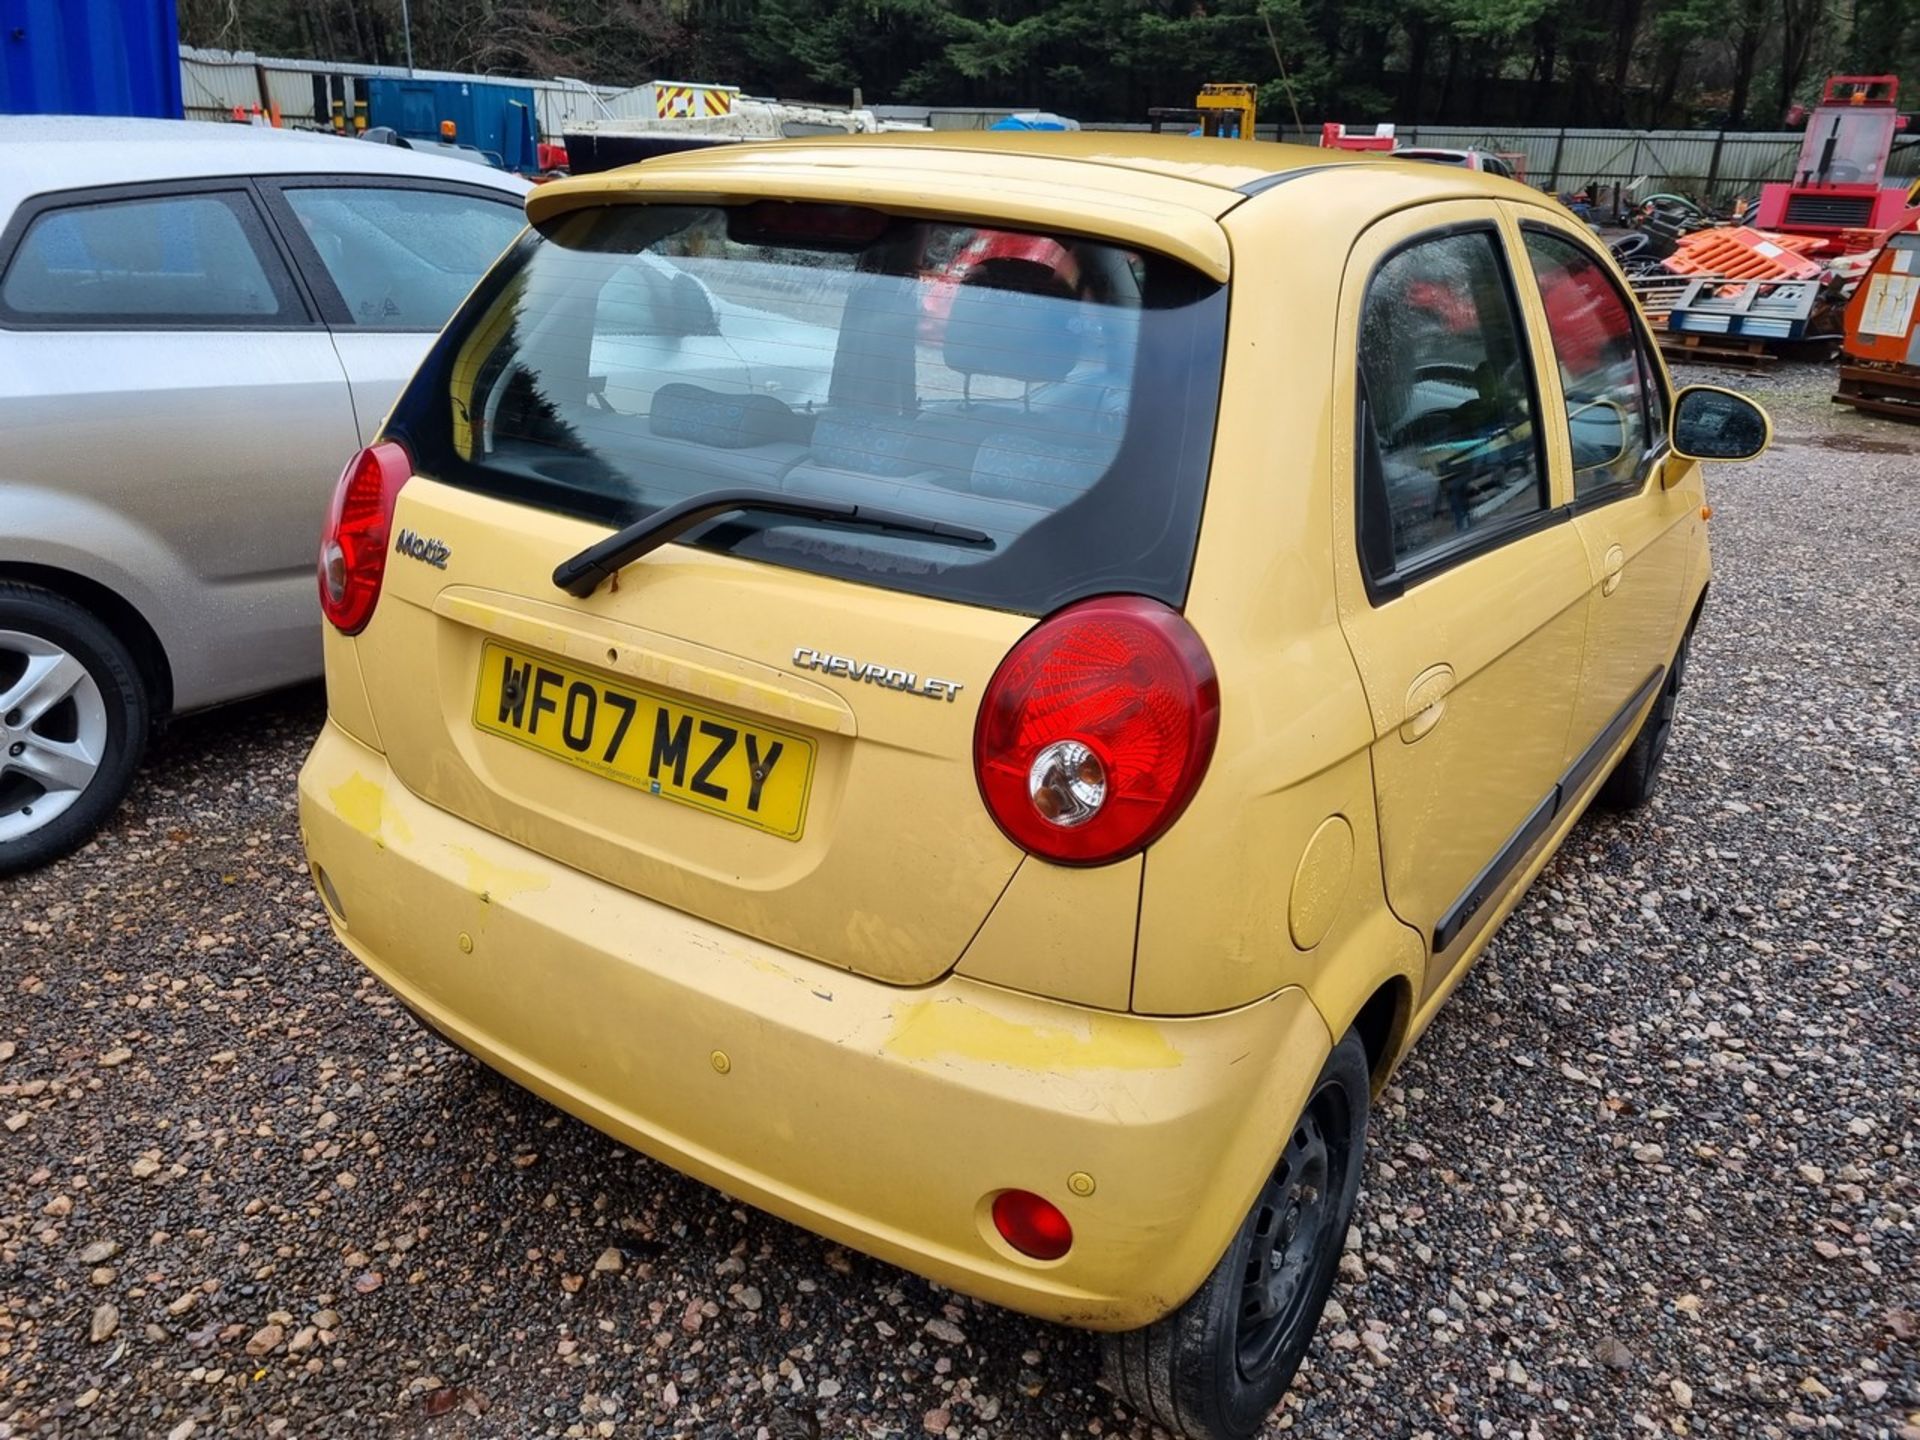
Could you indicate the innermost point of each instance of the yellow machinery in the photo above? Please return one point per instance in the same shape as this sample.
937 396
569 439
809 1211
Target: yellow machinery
1221 111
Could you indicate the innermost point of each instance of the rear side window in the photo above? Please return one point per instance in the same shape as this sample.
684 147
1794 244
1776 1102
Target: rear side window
201 259
1054 392
402 257
1450 435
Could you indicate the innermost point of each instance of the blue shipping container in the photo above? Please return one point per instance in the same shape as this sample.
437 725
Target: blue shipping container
497 120
90 57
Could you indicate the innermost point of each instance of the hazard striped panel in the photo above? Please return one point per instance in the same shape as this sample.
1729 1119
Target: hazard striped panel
690 102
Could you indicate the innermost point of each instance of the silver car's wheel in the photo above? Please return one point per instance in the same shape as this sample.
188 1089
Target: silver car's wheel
53 732
74 717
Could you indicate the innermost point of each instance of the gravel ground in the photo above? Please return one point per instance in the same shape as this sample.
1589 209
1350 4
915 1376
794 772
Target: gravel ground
1654 1170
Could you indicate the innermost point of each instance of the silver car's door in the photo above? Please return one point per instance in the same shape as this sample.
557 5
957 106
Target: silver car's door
175 419
388 260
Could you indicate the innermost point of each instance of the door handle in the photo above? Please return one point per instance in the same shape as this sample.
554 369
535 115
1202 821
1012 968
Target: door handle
1426 702
1615 567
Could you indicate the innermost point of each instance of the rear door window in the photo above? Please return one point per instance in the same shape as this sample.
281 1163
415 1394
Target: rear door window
1450 433
193 260
1055 392
400 257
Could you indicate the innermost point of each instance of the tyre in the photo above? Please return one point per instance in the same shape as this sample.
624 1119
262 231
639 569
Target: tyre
1216 1367
74 718
1632 782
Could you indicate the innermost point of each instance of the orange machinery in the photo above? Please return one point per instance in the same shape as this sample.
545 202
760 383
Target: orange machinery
1880 356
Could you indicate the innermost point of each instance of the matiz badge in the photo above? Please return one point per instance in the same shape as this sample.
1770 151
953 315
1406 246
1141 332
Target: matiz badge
912 684
422 547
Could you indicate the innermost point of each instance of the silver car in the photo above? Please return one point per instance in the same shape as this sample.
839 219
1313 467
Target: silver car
1484 160
198 324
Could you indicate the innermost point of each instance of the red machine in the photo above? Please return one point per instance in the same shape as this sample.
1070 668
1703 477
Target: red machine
1839 183
1047 257
1335 137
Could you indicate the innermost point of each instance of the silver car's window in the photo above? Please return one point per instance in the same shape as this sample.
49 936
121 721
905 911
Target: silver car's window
1451 423
403 258
198 259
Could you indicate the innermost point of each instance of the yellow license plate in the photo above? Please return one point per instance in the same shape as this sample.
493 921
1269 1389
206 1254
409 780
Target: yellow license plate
714 762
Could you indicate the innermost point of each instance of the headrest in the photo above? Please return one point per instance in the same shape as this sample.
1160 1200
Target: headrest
1012 333
873 363
726 422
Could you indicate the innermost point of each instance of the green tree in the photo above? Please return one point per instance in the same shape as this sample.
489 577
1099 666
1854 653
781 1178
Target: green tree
1486 62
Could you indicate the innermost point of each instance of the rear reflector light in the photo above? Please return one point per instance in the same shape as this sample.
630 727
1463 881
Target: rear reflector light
1095 730
353 547
332 896
1032 1224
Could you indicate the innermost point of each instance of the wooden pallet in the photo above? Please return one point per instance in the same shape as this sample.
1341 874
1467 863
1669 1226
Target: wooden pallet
1656 293
1718 349
1893 393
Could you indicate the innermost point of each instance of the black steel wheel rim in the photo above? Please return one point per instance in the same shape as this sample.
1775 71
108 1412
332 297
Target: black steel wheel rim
1292 1240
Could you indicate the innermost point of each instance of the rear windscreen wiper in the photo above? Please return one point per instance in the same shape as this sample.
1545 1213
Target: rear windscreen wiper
581 574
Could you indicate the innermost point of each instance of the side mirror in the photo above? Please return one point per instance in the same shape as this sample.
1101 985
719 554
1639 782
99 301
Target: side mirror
1714 424
1598 430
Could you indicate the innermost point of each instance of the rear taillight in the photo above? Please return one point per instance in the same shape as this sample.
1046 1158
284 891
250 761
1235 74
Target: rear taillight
1095 730
353 548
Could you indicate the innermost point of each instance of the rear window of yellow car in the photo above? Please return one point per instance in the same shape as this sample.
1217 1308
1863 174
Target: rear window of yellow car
1053 391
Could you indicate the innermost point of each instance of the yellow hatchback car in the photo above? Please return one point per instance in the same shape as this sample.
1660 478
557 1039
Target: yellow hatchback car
977 692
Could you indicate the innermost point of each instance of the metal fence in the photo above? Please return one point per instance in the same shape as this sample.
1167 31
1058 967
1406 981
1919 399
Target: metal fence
1716 164
214 82
1697 162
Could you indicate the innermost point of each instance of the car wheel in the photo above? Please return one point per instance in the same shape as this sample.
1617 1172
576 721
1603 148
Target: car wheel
1215 1368
74 718
1632 782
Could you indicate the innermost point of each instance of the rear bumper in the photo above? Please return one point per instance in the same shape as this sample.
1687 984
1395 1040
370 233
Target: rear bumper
883 1117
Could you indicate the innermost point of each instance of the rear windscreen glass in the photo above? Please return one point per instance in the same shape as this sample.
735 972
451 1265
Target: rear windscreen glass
1054 392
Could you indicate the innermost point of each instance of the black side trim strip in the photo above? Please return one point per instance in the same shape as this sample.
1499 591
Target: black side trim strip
1488 882
1279 177
1492 879
1578 773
